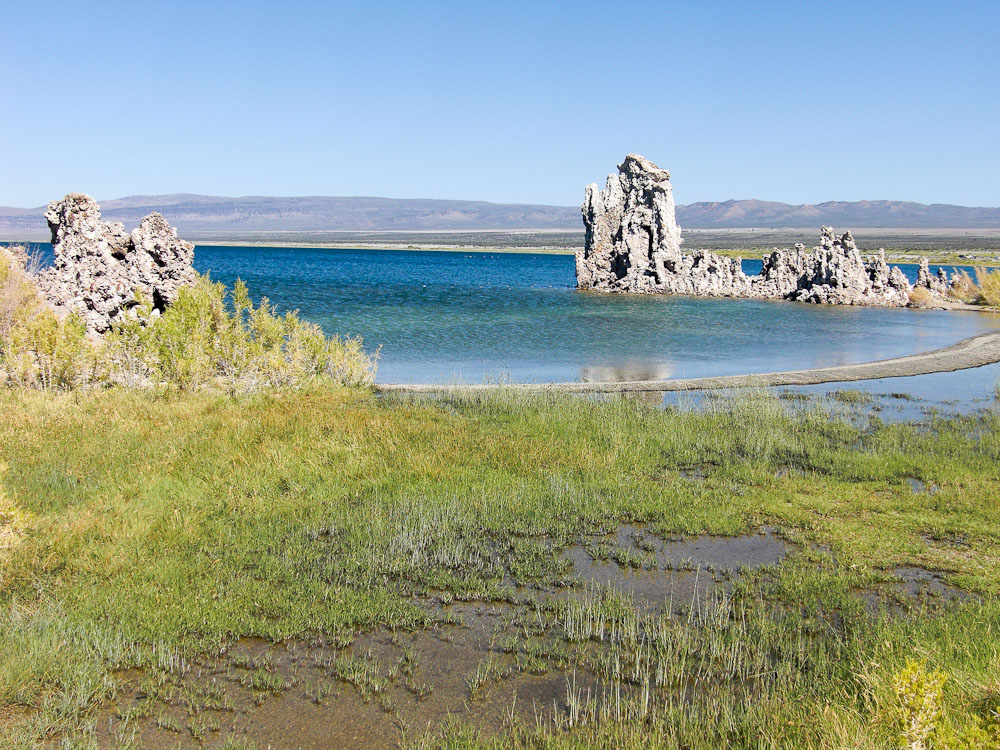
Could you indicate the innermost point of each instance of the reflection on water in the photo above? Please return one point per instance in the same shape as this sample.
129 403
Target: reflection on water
623 373
913 398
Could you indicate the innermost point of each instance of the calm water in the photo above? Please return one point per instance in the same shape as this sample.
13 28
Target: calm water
466 317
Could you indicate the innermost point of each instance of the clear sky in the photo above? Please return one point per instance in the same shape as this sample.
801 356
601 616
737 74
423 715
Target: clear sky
507 101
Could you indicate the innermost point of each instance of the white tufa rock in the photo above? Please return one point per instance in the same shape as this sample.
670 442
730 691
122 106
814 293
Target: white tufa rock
938 284
100 271
633 244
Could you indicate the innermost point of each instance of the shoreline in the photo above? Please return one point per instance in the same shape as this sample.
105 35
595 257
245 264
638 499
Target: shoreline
750 253
953 256
387 246
969 353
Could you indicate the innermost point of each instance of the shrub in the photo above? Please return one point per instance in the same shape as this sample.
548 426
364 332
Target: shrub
921 297
963 288
200 340
917 709
19 300
37 350
175 347
989 287
50 354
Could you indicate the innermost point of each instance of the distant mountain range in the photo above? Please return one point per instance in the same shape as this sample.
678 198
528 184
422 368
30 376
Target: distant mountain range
841 214
202 215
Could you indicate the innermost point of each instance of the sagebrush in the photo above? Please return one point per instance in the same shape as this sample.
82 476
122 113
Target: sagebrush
963 288
207 338
989 287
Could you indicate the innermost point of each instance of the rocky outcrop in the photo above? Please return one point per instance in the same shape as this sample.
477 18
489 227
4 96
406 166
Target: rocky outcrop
833 273
101 271
633 244
937 283
632 235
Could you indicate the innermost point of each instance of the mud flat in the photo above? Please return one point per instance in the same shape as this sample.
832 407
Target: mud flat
610 631
491 662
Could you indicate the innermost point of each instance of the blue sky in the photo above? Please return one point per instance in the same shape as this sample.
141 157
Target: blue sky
508 102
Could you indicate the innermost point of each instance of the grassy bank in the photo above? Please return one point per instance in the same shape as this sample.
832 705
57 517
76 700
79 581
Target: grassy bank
144 529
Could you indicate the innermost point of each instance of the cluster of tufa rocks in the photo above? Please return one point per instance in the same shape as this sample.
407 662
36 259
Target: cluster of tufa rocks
101 271
633 244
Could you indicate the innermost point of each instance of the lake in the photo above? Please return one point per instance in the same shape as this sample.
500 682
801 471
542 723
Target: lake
461 317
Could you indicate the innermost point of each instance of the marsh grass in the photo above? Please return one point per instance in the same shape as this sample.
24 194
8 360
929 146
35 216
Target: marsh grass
158 526
490 670
853 396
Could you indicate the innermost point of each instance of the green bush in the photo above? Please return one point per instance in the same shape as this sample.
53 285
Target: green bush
50 354
989 287
37 350
199 341
917 709
19 300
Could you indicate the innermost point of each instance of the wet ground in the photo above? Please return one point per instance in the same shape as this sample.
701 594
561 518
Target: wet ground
379 691
910 399
913 399
486 663
671 575
909 586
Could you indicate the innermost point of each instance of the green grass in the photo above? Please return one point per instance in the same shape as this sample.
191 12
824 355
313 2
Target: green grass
141 529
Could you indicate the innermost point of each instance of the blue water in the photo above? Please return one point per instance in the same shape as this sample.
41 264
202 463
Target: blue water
470 317
466 317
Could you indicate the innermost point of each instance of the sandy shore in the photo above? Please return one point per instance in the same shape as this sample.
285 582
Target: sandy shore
976 351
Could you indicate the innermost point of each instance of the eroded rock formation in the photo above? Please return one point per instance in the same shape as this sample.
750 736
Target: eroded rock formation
937 283
833 273
100 270
633 244
631 230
